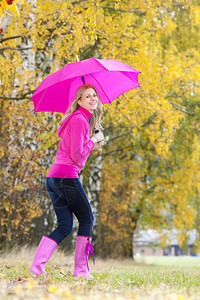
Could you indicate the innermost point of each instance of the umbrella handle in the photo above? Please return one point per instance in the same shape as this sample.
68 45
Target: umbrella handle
83 79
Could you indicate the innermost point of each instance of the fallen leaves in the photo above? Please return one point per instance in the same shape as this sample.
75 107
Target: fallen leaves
28 288
120 282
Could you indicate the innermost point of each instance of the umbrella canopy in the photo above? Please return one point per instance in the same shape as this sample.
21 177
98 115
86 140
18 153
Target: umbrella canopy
111 79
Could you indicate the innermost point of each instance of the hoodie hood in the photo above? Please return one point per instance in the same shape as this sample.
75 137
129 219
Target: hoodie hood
81 111
60 129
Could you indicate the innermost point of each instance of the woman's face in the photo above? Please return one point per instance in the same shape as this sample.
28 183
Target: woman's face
89 100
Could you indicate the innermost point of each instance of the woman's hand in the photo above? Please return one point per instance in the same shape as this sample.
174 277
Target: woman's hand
98 137
98 145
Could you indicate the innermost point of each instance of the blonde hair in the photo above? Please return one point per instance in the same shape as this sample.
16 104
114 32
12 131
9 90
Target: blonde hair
95 120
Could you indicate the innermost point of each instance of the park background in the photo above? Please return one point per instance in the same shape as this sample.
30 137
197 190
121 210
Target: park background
147 174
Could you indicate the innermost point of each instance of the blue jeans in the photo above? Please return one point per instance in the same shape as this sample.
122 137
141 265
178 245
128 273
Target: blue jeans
68 197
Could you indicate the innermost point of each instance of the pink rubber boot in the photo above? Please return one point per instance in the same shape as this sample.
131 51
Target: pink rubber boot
42 255
83 247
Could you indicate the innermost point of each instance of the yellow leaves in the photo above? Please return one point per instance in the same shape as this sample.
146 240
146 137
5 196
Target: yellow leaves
52 289
31 284
18 166
18 187
135 113
103 218
7 74
16 222
115 197
169 27
9 7
181 297
64 292
1 153
18 289
117 4
3 222
7 206
164 239
195 14
48 291
143 36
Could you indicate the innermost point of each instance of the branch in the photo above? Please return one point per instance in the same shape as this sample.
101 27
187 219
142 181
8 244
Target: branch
115 151
181 108
123 10
195 104
18 98
13 98
150 120
10 38
119 136
91 49
14 48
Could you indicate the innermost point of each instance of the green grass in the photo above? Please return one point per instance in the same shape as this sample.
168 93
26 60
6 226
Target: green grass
167 278
173 261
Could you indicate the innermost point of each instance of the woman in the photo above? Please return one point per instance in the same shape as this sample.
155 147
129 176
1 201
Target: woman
78 139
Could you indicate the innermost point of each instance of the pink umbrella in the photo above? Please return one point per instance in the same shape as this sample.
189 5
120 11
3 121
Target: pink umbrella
111 79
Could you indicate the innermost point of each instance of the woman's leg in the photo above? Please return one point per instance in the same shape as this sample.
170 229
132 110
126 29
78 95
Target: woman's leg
61 195
68 196
44 251
83 212
60 199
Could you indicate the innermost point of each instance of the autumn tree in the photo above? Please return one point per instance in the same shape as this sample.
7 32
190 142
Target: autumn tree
130 179
159 193
44 38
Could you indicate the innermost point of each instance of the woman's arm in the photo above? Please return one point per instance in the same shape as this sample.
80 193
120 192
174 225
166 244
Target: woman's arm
79 148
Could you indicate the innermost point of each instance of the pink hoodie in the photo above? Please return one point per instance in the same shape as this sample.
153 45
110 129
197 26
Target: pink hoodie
75 145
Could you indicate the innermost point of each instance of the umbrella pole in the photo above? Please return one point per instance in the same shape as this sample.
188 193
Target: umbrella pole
83 79
81 76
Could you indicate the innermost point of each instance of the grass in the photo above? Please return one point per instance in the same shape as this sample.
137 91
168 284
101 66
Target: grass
159 278
171 261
